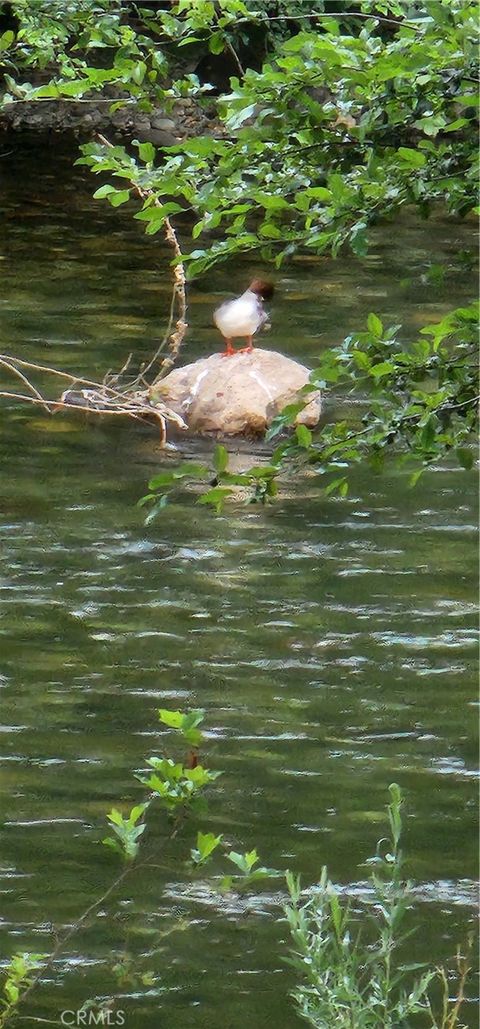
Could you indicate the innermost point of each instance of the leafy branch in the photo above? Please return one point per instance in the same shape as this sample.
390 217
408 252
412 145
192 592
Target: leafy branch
350 118
346 980
418 404
177 788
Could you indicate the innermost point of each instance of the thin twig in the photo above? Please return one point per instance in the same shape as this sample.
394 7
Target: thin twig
60 404
230 47
107 398
41 1021
233 52
29 385
117 376
339 16
463 968
60 944
465 403
177 336
161 346
73 379
104 399
69 100
139 412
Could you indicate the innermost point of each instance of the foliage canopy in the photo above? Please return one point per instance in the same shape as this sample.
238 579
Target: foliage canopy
331 121
350 116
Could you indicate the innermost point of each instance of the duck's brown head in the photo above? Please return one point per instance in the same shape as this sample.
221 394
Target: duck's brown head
262 288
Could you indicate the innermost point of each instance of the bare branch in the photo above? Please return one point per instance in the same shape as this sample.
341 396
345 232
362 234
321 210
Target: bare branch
176 337
110 397
16 371
73 379
146 368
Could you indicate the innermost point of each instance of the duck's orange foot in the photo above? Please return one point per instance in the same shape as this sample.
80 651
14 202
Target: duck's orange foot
249 347
229 351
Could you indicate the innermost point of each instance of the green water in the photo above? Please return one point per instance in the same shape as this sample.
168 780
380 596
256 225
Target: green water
331 642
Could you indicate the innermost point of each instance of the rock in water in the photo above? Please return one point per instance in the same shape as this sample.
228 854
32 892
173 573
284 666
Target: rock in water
238 395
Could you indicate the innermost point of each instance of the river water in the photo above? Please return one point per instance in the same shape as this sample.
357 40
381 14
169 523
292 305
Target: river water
332 643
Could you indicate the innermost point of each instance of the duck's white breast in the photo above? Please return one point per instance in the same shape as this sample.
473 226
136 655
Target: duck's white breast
241 317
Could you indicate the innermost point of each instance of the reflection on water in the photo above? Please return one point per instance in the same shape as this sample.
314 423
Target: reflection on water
331 642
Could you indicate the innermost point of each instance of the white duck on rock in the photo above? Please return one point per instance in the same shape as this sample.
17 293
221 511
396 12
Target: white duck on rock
244 316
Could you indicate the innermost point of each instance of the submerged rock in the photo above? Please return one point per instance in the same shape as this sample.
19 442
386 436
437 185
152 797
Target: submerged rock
238 395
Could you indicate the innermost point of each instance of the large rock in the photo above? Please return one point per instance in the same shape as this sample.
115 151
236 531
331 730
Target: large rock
236 395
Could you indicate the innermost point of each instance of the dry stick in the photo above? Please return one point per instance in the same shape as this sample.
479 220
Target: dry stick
113 402
176 338
29 385
137 413
463 968
146 368
134 413
119 398
116 377
73 379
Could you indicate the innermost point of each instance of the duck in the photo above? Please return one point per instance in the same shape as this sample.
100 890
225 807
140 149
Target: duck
244 316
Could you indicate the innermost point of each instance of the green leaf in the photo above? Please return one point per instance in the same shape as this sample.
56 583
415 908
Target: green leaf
186 470
244 862
215 497
159 506
468 100
384 368
319 193
6 39
358 239
190 731
162 479
173 719
465 457
415 476
103 191
191 470
115 816
206 844
187 724
119 197
375 326
431 125
286 417
12 991
236 120
137 812
361 360
336 486
216 43
454 126
146 152
139 72
270 231
157 213
220 458
414 158
304 436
